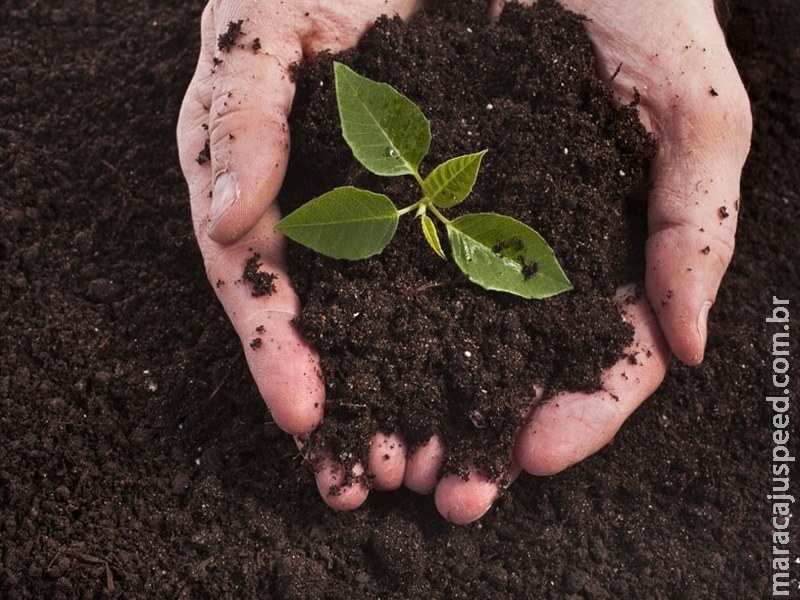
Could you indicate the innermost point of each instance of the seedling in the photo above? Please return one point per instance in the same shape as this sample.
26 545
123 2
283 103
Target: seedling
389 135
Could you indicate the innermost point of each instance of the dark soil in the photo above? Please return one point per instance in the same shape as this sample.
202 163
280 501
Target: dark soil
137 459
408 344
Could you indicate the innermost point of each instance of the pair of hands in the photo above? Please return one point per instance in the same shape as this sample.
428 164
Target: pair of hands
691 99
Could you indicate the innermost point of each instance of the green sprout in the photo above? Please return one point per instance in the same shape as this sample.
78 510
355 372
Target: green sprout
389 135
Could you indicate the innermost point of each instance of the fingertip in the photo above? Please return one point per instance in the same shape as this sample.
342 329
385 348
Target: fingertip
463 501
422 466
294 392
339 491
686 336
686 265
245 187
681 300
551 442
387 461
286 371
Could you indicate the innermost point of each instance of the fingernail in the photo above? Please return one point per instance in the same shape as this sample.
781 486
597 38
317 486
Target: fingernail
224 195
702 321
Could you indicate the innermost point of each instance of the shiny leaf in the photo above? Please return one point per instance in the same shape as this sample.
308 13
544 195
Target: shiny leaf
452 181
346 222
386 131
500 253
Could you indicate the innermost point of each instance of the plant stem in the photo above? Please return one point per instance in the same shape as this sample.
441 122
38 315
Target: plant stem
438 215
409 208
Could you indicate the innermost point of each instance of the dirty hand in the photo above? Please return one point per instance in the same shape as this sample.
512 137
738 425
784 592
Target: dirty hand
672 56
692 100
233 141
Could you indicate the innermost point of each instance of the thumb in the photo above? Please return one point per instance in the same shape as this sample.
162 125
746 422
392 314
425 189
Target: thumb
673 58
694 203
250 101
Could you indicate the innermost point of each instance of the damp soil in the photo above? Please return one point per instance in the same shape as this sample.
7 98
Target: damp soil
137 458
408 344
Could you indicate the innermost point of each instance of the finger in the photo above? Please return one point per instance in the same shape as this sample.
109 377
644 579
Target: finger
387 461
700 116
694 205
675 64
463 501
422 466
250 52
337 490
284 366
568 427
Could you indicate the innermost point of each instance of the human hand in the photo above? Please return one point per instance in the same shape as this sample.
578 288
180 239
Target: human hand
672 57
233 141
244 107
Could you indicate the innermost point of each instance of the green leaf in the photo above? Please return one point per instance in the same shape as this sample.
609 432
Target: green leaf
503 254
346 222
386 131
452 181
431 235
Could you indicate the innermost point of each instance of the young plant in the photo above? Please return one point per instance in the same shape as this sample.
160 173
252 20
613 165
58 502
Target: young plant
389 135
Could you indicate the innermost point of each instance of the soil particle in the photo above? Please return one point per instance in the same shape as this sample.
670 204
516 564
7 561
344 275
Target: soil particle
228 39
263 282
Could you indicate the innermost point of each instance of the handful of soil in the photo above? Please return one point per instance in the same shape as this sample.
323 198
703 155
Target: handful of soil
407 343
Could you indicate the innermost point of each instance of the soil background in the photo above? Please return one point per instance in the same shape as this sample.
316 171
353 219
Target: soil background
137 459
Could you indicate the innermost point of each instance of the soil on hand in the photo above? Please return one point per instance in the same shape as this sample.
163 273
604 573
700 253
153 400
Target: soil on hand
409 345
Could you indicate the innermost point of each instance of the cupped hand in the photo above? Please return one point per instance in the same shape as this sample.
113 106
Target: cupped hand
567 427
672 60
234 143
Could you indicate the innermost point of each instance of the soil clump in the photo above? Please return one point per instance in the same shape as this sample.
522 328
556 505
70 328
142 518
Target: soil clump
407 343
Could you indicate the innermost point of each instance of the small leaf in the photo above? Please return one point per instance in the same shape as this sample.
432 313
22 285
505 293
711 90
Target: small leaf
452 181
431 235
346 222
500 253
386 131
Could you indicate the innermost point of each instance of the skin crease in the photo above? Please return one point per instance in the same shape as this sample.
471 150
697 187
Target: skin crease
672 54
